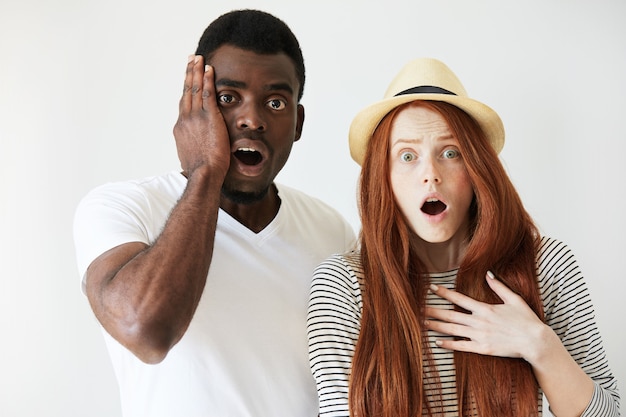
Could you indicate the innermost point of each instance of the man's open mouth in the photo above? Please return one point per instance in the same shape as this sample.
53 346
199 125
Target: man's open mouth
248 156
433 207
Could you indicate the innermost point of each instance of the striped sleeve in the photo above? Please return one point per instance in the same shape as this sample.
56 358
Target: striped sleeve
570 313
333 325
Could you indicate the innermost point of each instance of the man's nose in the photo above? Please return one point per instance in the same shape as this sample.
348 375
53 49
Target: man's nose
251 117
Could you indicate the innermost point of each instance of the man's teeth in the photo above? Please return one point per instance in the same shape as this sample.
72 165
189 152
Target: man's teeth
248 155
432 200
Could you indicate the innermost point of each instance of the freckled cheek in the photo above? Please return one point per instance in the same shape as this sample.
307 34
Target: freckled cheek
458 174
403 172
400 182
403 188
464 190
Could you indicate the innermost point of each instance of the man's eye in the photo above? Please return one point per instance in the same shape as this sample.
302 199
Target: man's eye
451 153
225 98
276 104
407 156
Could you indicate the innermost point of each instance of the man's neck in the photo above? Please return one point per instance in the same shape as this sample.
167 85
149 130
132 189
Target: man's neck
256 215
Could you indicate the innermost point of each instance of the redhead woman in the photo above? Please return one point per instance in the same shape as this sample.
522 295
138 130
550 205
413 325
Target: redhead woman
454 304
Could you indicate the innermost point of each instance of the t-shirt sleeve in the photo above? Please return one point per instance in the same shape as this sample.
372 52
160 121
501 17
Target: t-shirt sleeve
570 313
106 217
334 317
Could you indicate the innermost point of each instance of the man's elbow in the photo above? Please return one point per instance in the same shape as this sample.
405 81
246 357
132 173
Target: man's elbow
150 344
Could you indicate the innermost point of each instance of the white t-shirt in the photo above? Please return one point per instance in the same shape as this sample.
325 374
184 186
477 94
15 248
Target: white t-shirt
245 351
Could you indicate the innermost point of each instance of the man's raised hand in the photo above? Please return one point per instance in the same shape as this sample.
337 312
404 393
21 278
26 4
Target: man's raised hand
201 134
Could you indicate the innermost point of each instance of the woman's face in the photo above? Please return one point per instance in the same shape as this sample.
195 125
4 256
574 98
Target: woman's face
428 176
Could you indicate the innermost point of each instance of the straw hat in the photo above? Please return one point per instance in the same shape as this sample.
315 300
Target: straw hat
423 79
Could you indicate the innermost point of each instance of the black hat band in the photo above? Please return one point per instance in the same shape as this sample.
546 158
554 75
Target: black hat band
425 89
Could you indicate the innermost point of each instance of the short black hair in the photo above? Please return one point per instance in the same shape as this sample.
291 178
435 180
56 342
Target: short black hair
255 31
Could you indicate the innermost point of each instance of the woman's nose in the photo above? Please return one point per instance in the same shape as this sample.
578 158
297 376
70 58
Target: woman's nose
431 173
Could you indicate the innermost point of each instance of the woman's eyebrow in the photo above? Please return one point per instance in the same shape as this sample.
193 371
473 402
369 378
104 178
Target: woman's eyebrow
419 140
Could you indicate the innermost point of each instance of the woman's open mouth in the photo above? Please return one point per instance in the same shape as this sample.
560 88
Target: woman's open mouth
432 206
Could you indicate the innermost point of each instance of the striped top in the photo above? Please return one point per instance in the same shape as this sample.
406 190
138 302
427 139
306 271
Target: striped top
334 318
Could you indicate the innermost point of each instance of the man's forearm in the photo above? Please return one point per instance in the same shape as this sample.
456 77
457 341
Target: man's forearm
147 298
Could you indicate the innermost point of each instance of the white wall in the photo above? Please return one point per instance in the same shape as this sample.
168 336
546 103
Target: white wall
89 92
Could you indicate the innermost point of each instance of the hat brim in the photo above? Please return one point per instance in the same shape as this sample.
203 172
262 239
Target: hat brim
367 120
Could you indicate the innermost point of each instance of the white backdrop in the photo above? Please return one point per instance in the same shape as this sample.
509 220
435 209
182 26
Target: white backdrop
89 93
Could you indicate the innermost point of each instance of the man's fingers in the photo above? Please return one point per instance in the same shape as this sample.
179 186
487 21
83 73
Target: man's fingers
208 88
197 83
192 99
185 100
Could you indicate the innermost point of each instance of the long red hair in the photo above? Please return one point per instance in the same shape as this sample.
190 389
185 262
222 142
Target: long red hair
388 377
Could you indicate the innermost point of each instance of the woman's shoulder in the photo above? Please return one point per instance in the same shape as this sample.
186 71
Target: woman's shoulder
552 253
342 269
558 270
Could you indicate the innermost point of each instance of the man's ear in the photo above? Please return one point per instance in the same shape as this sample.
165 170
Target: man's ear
299 122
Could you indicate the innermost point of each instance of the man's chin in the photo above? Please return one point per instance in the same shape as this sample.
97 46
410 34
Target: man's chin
243 197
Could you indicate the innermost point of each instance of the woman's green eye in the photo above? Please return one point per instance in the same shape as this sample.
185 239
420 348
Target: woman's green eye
451 153
407 156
